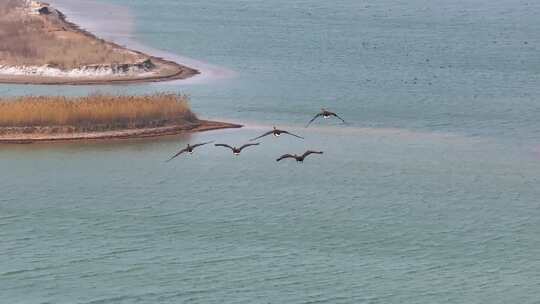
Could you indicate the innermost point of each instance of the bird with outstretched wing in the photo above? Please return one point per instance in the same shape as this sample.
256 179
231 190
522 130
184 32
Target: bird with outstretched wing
309 152
299 158
189 148
325 114
235 150
286 156
276 132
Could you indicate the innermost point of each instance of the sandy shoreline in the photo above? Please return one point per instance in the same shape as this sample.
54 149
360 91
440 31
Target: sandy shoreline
160 69
122 30
200 126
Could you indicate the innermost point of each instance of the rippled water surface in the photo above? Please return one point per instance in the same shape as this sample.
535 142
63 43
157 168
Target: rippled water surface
429 195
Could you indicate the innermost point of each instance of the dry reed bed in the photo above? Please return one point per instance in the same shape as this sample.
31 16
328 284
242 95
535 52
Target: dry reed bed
93 113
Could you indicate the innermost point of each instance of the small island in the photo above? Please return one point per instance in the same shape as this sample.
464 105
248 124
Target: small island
39 46
44 118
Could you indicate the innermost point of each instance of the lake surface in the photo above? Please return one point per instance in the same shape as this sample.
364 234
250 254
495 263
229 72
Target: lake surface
429 195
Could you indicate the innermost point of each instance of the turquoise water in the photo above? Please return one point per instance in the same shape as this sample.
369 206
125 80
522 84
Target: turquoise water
430 195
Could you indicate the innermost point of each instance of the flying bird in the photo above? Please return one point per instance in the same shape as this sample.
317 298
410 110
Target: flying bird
299 158
189 149
276 132
325 114
235 150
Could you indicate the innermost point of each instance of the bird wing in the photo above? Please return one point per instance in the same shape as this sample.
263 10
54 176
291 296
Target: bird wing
334 114
285 156
201 144
265 134
311 152
224 145
177 154
313 119
248 145
286 132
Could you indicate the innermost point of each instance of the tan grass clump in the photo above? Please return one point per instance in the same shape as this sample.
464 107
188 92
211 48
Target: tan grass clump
96 112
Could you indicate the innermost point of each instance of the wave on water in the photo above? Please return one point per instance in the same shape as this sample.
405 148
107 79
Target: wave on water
116 23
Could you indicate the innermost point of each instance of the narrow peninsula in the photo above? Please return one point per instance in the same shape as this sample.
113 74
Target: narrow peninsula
39 46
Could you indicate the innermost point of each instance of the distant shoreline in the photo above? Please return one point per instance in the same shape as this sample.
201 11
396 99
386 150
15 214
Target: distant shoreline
152 69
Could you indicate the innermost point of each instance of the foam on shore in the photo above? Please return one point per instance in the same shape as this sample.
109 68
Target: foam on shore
84 72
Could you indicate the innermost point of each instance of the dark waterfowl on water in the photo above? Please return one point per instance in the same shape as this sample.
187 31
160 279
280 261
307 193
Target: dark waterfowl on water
299 158
325 114
235 150
276 132
189 149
